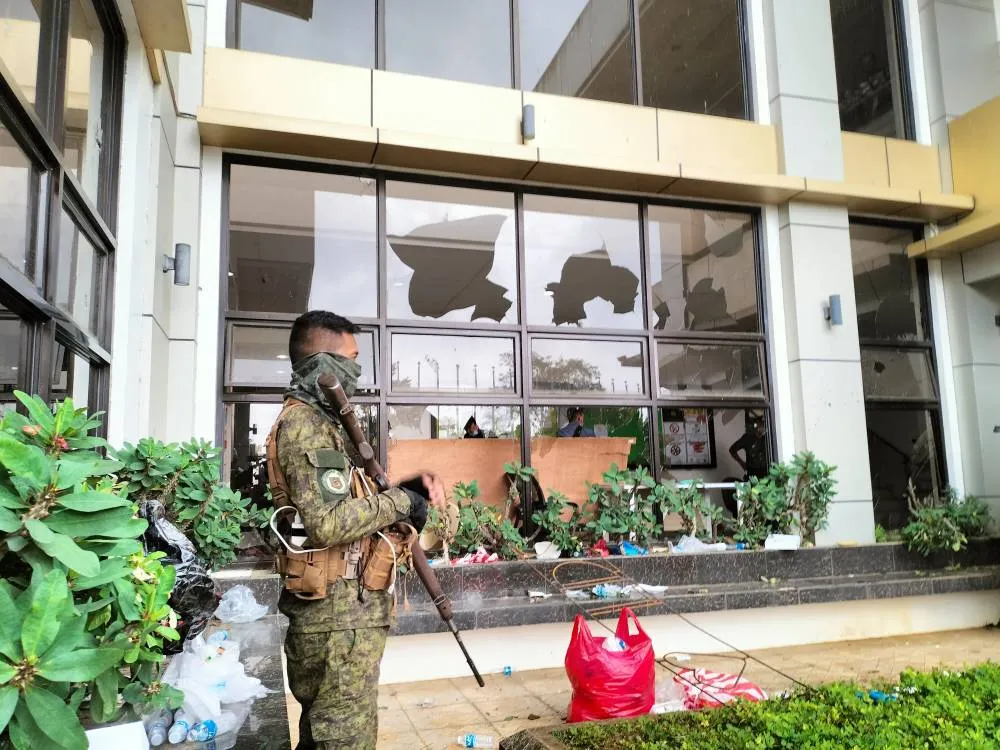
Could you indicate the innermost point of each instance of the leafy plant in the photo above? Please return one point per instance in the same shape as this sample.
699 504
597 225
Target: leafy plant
83 613
922 710
943 524
561 531
185 478
624 504
811 489
688 500
764 510
480 525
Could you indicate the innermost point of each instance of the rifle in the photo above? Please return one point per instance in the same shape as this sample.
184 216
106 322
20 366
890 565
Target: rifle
334 392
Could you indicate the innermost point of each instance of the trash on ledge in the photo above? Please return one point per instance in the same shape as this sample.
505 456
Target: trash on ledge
693 545
533 595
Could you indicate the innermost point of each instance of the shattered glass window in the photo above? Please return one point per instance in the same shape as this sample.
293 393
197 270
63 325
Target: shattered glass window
452 254
886 285
718 370
703 274
583 264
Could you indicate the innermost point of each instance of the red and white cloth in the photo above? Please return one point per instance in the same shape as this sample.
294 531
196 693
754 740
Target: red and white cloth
705 689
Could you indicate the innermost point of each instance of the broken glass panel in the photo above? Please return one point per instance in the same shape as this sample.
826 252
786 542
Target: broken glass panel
886 285
583 264
453 254
703 270
897 374
716 370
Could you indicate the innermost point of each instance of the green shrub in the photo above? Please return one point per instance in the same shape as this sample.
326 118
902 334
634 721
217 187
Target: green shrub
83 612
185 478
564 534
480 525
935 710
624 504
689 501
943 524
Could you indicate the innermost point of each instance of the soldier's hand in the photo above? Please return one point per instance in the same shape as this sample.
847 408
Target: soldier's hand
435 491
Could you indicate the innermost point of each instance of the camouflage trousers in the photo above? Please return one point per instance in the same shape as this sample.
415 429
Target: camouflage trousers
334 676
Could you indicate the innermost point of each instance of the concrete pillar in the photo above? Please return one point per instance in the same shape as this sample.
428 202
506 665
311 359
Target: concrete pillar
824 362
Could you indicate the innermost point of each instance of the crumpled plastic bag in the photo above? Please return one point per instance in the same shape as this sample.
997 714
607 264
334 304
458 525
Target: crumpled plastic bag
693 545
195 595
211 675
480 557
706 689
239 605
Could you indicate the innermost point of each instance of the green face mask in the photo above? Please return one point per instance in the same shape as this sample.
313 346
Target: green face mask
306 373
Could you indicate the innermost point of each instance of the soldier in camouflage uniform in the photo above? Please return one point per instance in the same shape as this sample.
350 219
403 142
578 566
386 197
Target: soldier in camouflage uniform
334 645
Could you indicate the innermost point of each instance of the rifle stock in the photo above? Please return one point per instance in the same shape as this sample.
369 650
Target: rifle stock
335 394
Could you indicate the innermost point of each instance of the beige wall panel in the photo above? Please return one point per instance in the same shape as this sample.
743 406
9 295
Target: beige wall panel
975 155
719 185
866 161
466 157
860 199
560 167
701 141
164 24
615 131
448 109
283 135
285 87
970 234
913 166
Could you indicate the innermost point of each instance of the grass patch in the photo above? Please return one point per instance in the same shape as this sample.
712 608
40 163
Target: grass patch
953 710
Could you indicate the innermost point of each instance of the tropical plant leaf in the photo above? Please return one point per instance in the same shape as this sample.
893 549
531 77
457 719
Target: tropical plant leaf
26 461
103 523
92 501
8 702
7 672
42 622
10 626
55 719
10 499
64 549
72 470
79 666
38 409
107 548
16 543
9 522
110 570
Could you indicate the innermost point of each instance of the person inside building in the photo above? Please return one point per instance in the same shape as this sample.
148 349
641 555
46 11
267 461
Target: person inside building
472 429
753 444
575 426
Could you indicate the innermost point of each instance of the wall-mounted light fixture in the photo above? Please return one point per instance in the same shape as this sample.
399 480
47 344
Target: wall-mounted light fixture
180 264
834 313
528 122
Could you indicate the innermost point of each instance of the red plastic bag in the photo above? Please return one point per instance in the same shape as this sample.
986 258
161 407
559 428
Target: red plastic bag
704 689
610 684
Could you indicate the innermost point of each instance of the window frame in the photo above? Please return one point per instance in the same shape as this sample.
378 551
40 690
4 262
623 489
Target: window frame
38 131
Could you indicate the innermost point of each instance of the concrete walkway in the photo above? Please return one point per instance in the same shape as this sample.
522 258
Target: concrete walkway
432 714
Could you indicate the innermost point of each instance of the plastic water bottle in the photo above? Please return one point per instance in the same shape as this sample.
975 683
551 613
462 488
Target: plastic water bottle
156 728
475 740
508 671
209 729
614 645
180 728
218 638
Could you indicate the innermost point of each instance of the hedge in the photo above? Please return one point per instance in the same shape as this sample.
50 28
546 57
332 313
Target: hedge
954 710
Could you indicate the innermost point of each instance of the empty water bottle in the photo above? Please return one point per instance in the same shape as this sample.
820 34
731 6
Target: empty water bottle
180 728
475 740
218 638
156 728
209 729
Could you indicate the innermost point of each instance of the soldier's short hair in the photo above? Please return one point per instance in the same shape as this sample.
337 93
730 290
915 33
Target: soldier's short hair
311 321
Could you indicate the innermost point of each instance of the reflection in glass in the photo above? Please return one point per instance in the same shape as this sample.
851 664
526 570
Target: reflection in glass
260 357
453 39
20 27
692 56
10 351
710 369
886 285
247 428
584 262
903 445
79 269
16 189
580 48
84 94
716 447
868 67
897 374
453 253
704 270
452 364
612 435
336 31
302 240
572 366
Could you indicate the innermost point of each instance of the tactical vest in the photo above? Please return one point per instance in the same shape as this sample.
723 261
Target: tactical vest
308 573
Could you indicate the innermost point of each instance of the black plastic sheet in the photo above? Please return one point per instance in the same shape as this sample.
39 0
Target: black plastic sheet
195 595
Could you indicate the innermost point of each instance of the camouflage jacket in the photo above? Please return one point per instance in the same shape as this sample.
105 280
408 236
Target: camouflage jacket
309 444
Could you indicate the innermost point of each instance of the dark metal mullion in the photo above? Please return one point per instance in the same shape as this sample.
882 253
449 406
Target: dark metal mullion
223 282
53 62
743 21
636 53
86 214
652 356
380 38
112 102
384 377
233 24
515 43
523 361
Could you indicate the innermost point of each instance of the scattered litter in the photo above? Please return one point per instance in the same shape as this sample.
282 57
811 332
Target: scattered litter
631 550
669 697
238 605
535 595
609 591
480 557
533 717
679 658
547 551
508 671
614 645
600 549
652 590
785 542
577 594
771 581
705 689
425 703
692 545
